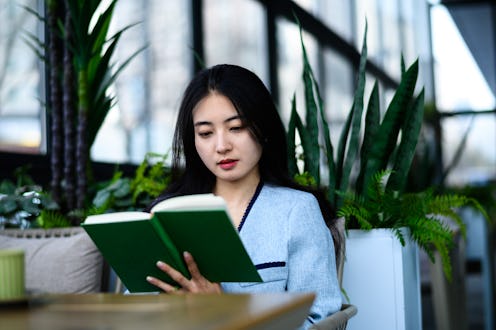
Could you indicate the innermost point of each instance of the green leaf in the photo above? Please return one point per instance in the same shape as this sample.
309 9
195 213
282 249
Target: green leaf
329 152
7 187
354 139
8 204
51 219
387 136
372 124
312 150
406 150
26 204
343 139
291 136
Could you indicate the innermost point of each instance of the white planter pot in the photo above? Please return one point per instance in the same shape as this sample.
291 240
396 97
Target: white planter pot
382 279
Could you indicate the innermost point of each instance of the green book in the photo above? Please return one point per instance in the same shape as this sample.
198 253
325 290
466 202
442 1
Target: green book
132 242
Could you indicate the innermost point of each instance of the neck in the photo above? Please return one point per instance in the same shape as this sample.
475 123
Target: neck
237 193
237 197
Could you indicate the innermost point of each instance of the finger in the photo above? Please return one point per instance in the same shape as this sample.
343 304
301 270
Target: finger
174 274
162 285
192 266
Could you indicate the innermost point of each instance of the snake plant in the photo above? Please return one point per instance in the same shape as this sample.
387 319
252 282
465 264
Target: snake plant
375 197
389 142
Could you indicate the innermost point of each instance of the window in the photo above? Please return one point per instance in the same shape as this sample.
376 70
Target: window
21 80
149 89
229 39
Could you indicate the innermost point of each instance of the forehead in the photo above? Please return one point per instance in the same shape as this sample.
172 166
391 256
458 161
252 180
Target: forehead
214 105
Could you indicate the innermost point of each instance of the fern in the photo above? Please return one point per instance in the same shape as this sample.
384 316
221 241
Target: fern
151 178
430 218
305 179
52 219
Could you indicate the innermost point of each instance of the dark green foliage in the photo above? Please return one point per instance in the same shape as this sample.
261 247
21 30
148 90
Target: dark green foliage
403 115
375 197
387 142
26 205
309 134
484 193
119 194
92 51
305 179
80 98
429 217
350 140
22 203
52 219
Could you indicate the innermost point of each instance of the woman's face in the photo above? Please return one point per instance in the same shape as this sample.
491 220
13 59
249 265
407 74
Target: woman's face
223 142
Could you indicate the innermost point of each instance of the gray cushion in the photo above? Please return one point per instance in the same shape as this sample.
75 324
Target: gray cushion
70 264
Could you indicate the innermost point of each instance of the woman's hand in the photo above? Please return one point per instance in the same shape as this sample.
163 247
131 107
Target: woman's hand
197 284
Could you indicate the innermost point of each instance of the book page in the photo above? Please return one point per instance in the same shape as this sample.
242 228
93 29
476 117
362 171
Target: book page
191 202
117 217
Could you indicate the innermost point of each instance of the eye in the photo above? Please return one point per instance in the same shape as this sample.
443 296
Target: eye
204 134
237 126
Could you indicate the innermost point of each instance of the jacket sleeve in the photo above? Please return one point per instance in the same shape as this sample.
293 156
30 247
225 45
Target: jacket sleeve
311 259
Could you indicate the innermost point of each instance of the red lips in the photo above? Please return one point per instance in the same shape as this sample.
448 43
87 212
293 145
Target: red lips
227 164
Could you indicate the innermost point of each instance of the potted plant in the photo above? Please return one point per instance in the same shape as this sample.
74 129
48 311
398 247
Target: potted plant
378 210
78 53
24 204
124 193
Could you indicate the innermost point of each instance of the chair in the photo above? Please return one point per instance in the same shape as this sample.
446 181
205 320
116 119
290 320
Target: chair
338 320
340 226
59 260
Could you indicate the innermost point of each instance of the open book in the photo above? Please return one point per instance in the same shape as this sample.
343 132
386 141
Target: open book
132 242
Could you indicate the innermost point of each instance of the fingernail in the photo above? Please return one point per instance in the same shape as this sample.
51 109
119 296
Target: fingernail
160 263
186 254
149 279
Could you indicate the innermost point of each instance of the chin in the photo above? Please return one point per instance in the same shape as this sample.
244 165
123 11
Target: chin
230 178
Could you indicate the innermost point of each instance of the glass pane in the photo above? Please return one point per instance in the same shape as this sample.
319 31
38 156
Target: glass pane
390 52
336 14
459 82
308 5
235 33
149 89
366 12
338 91
20 79
478 161
413 26
290 66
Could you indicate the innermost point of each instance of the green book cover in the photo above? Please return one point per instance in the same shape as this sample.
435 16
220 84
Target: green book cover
132 242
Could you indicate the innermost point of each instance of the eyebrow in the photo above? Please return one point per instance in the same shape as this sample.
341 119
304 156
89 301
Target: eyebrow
201 123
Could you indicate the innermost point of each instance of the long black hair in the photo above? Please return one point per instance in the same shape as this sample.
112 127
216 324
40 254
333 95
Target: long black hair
255 105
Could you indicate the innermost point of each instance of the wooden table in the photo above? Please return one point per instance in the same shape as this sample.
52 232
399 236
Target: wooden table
146 312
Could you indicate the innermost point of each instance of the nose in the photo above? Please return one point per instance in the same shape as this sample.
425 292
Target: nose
223 143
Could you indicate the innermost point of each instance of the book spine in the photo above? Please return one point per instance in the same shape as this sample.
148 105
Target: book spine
171 248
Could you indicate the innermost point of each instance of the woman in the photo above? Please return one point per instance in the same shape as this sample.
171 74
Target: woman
230 140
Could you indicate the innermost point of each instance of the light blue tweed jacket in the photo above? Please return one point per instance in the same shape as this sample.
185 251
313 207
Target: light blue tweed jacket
288 241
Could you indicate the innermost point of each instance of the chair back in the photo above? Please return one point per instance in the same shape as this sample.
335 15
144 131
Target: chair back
59 260
336 321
